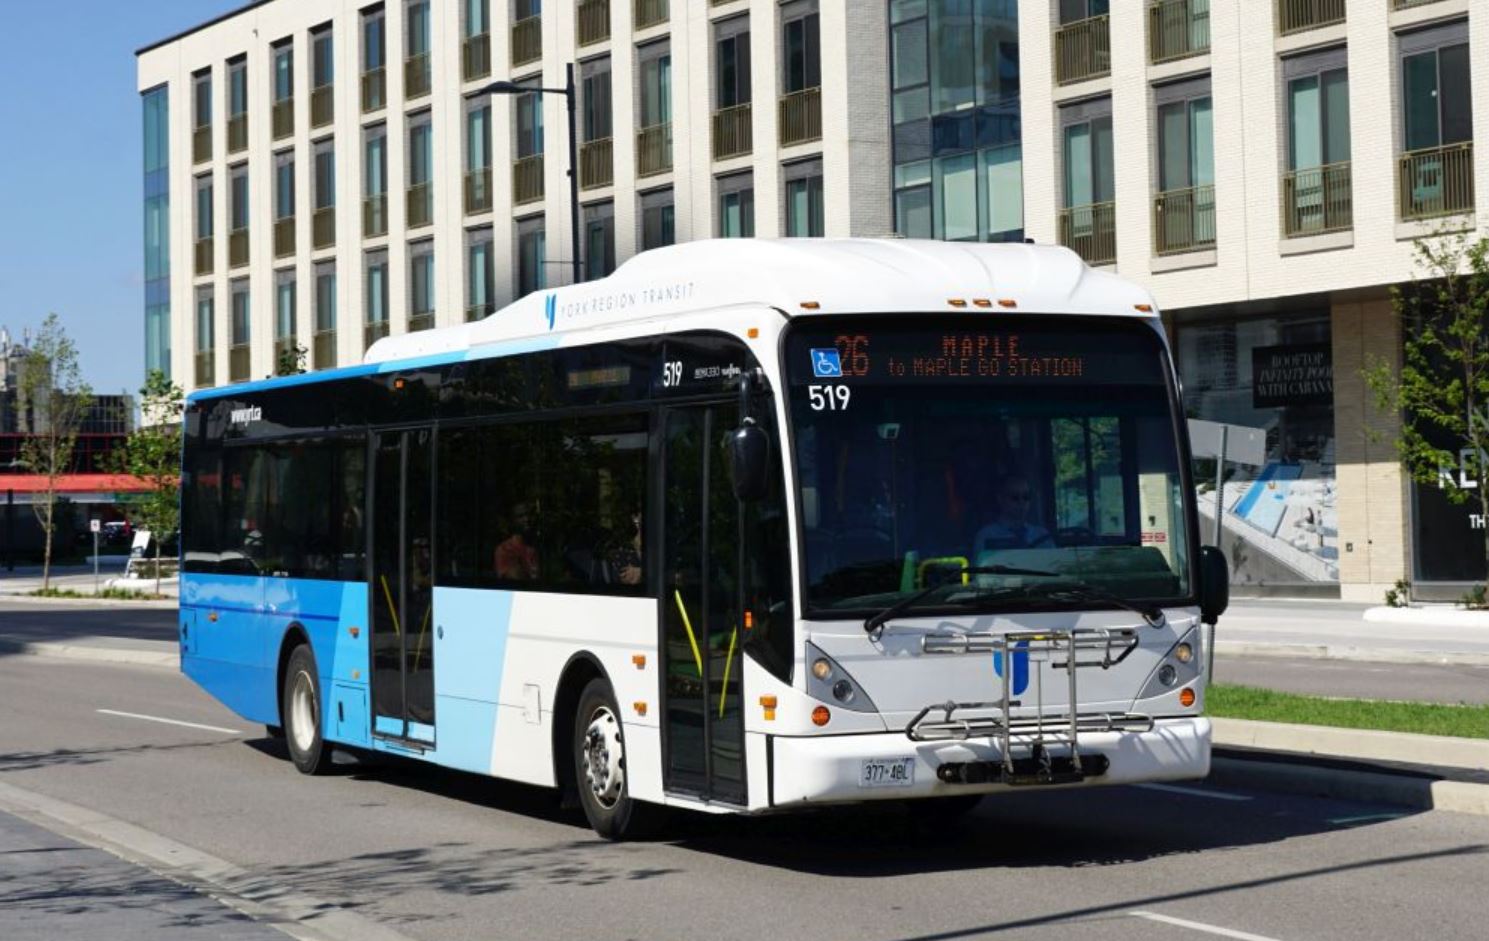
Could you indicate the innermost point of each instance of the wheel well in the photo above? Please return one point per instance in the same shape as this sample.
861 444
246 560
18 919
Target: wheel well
293 638
578 672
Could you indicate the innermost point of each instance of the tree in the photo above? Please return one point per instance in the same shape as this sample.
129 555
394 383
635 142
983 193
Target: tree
153 453
291 360
54 400
1441 390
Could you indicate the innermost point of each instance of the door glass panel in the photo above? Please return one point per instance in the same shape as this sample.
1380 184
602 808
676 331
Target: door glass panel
1421 100
725 563
1303 115
418 639
1457 104
1336 116
387 631
682 608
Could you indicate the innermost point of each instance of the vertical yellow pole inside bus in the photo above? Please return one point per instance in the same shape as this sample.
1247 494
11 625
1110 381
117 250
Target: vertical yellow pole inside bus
688 626
392 609
728 662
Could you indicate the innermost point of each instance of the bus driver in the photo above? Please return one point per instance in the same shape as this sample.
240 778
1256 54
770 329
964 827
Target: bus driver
1012 529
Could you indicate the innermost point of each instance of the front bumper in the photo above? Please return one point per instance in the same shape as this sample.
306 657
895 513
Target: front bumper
828 768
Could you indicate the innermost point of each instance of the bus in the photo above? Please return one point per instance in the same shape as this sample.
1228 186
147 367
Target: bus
747 526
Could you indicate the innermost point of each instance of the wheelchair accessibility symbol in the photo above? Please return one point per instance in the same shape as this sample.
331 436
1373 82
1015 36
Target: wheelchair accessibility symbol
1020 679
826 364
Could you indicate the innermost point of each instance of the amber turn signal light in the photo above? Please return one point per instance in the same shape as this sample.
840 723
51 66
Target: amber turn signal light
820 715
1186 696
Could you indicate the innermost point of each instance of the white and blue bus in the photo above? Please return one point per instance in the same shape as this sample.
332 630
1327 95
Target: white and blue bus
749 525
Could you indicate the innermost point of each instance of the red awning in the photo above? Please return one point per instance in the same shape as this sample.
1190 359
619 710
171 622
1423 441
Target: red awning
75 483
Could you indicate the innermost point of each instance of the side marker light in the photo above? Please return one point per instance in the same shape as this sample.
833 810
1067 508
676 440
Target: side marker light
821 716
1186 696
810 305
753 333
768 703
640 708
640 660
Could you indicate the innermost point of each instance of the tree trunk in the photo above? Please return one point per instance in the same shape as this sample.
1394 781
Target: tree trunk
46 535
157 567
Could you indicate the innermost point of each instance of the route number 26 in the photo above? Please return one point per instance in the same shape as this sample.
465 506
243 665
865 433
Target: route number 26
829 398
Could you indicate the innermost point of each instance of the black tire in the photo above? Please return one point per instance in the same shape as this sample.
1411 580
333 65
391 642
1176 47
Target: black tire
607 805
274 731
300 711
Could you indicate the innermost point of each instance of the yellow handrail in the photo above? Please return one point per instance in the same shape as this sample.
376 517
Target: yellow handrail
688 626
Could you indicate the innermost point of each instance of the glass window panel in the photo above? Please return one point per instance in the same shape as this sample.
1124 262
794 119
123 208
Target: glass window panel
325 178
376 179
909 54
955 66
1104 185
1201 143
372 42
418 28
377 288
478 138
204 322
325 298
1336 116
237 88
325 70
1078 165
1173 147
240 199
956 196
204 209
1457 104
901 10
157 237
1004 174
475 17
284 73
203 101
1304 124
419 140
912 211
1419 76
911 174
284 309
912 105
284 190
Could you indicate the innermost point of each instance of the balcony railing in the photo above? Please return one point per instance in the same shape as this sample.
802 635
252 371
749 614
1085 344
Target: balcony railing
286 355
322 105
594 21
478 191
596 163
323 227
1083 50
1091 232
323 350
416 76
283 123
478 311
1294 16
238 359
475 57
527 179
527 40
201 144
1436 181
732 133
237 133
420 205
417 322
375 215
237 247
203 256
1408 4
284 236
1317 200
1177 29
373 332
374 90
1184 220
206 369
648 13
801 116
654 149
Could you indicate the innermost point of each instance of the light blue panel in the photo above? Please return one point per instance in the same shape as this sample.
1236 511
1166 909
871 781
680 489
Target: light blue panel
419 732
387 725
349 714
470 643
466 751
350 663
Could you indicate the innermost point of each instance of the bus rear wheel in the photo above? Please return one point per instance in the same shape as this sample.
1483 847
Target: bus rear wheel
300 710
600 769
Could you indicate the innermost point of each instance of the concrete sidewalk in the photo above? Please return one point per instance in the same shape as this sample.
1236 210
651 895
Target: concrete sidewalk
27 578
1337 630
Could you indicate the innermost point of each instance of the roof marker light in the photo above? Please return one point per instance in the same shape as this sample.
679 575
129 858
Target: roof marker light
1007 302
810 305
981 302
1144 308
957 302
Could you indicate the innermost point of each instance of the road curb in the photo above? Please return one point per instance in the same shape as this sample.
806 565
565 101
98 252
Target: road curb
15 597
1352 744
1419 792
154 658
1231 648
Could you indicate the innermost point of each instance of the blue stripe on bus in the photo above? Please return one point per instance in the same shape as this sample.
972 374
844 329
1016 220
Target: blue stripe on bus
297 615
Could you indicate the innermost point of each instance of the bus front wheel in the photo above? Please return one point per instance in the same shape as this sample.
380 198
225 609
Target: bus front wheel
600 768
300 710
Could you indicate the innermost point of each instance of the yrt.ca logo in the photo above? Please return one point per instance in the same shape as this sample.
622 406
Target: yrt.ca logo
242 416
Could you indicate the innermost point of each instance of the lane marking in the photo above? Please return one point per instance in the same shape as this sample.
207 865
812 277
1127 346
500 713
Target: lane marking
189 725
1193 792
1201 926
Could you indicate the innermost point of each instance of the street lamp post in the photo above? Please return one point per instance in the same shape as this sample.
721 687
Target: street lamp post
515 88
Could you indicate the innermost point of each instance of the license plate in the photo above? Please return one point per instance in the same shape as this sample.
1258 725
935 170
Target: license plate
887 772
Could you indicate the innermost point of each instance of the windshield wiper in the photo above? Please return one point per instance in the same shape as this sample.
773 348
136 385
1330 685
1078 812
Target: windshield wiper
1083 591
875 623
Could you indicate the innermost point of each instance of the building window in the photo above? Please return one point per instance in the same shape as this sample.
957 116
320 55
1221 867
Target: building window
284 70
421 284
657 219
529 125
477 18
238 215
239 326
1184 209
655 84
325 174
804 216
420 163
325 297
480 274
1088 219
375 181
416 28
478 154
1436 175
374 58
531 256
1316 186
155 105
237 87
801 60
322 57
594 98
599 240
732 62
284 185
204 320
204 207
736 193
201 98
284 304
376 289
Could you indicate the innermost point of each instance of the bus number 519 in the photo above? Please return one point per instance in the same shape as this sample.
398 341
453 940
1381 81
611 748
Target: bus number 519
829 398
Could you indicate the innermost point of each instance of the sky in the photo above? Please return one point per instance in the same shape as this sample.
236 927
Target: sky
71 173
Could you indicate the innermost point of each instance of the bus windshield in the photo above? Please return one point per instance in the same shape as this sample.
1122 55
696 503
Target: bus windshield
924 448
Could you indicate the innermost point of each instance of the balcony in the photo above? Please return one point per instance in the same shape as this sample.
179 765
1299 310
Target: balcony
238 359
654 149
284 236
416 76
1083 50
374 90
1091 232
201 144
203 256
421 321
373 332
732 131
527 179
478 191
801 116
206 371
593 24
323 227
646 13
1294 16
1184 220
527 41
1408 4
596 163
286 356
1178 29
237 248
237 133
1317 200
283 118
1436 181
375 215
419 205
323 350
475 57
478 311
322 105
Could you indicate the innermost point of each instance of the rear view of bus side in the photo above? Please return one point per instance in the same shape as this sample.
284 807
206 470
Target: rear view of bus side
746 526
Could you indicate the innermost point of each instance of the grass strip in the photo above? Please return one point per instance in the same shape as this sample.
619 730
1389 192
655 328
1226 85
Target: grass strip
111 594
1248 702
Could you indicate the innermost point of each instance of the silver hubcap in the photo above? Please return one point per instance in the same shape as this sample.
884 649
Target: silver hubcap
302 712
604 758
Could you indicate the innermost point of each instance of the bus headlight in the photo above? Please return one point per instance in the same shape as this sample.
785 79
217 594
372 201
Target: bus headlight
1179 667
843 692
1167 675
1183 653
822 668
828 682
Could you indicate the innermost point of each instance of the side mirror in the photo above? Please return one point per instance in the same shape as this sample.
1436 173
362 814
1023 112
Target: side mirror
1214 584
749 460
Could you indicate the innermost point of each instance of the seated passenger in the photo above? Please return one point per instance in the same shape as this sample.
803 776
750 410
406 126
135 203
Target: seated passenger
1012 529
516 557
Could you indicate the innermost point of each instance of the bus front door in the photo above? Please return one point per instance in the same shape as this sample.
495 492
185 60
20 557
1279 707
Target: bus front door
401 591
702 643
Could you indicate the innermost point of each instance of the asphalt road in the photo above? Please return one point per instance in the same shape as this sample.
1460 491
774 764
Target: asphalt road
442 855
